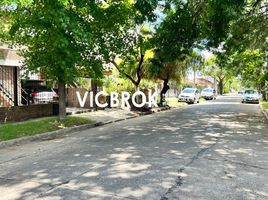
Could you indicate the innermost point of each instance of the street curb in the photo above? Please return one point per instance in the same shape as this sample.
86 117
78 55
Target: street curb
265 112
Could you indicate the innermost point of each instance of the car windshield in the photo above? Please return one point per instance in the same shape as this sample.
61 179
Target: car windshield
208 90
42 89
250 92
189 90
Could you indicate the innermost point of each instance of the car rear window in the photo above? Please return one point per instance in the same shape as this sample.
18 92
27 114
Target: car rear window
42 90
189 90
208 90
250 92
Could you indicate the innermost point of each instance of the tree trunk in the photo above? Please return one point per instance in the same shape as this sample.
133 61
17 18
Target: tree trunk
221 87
194 78
94 88
163 92
62 98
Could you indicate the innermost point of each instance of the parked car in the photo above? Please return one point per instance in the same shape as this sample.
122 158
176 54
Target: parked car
251 96
189 95
43 95
209 94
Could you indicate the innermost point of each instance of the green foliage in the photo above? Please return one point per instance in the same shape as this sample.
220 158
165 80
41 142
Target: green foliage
131 58
249 30
250 65
70 38
247 44
67 39
61 37
171 71
217 67
264 105
145 10
216 18
176 35
173 102
194 61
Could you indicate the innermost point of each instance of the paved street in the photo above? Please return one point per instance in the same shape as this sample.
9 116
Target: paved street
214 151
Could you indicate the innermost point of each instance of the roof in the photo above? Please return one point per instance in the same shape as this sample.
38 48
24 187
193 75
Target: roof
10 57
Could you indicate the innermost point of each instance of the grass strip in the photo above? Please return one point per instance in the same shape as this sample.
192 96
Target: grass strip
264 104
37 126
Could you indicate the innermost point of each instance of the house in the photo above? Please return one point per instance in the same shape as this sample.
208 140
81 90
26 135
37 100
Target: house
10 83
12 94
13 78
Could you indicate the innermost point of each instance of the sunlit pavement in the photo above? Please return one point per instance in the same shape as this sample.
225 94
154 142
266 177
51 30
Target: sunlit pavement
215 150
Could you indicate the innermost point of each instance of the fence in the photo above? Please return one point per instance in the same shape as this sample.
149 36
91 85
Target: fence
21 113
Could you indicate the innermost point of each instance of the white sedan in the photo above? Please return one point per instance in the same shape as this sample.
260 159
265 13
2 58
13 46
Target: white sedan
251 96
189 95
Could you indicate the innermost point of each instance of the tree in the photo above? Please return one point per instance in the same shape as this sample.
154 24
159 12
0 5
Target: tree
173 41
249 30
132 57
64 38
215 66
216 17
250 65
247 45
58 40
191 24
159 69
195 62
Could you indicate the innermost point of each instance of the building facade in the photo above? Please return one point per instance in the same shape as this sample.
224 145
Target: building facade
10 83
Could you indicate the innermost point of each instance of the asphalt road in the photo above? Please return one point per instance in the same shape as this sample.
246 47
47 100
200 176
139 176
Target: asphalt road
214 151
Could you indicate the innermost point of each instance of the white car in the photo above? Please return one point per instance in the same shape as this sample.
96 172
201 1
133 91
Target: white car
189 95
251 96
43 95
209 94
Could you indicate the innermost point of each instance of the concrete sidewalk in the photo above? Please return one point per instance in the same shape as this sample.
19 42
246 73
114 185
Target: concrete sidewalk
115 114
108 115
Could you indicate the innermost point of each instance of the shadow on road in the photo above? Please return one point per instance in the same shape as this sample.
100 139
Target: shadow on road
205 151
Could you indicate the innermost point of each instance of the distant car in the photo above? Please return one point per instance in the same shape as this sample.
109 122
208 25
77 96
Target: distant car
189 95
43 95
251 96
209 94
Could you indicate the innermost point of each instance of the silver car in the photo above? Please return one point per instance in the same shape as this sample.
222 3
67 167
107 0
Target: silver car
43 95
251 96
209 94
189 95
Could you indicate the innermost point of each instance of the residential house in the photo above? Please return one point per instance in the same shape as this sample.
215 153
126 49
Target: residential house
197 79
10 83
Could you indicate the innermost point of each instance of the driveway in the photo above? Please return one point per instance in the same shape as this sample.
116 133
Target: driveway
217 150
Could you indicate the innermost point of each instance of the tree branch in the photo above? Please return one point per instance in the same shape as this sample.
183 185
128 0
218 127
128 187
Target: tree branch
125 74
254 6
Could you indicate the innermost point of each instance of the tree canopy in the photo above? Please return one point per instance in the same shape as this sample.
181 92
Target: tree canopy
65 38
71 38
